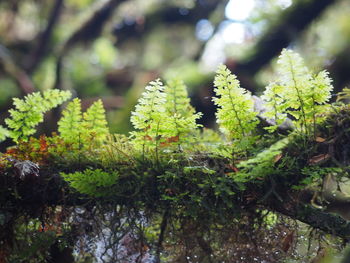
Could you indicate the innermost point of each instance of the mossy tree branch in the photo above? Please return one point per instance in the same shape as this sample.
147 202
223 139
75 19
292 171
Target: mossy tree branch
49 189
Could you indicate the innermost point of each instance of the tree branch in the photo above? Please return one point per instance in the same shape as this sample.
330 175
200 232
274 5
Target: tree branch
8 65
92 27
50 189
306 213
36 56
164 16
89 31
293 20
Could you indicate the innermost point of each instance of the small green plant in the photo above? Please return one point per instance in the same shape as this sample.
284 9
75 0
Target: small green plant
343 95
69 126
76 128
117 150
297 92
262 164
150 118
169 173
95 123
163 116
235 114
166 127
29 112
95 183
180 111
275 104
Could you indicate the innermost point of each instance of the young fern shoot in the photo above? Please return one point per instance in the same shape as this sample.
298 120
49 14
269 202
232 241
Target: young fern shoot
297 92
235 114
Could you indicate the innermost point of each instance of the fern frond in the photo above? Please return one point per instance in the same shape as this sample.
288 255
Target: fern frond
292 71
177 98
4 133
94 121
275 105
180 110
235 114
95 183
262 164
69 126
150 118
55 97
343 95
296 80
29 112
150 107
297 92
323 87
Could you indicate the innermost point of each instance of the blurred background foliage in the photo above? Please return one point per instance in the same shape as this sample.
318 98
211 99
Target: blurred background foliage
110 49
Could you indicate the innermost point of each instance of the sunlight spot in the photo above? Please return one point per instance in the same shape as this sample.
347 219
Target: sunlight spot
284 3
233 32
213 54
239 9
